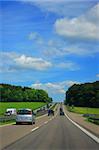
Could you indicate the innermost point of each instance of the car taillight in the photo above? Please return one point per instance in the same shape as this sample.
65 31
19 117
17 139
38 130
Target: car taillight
29 112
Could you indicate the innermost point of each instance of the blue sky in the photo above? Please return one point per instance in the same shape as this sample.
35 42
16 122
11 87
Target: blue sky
49 44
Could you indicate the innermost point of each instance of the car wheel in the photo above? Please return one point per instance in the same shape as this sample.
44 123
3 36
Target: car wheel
17 123
33 122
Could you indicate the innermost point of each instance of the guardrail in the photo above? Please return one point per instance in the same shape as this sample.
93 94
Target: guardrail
92 118
40 111
91 115
7 118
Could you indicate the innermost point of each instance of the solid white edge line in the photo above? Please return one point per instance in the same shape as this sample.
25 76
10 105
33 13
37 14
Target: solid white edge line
34 129
96 139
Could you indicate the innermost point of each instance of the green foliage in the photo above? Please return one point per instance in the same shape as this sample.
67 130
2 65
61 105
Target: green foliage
93 120
18 105
84 95
11 93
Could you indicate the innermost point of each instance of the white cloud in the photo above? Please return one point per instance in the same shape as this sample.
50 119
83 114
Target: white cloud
85 26
68 65
36 37
60 7
97 75
13 60
64 50
54 88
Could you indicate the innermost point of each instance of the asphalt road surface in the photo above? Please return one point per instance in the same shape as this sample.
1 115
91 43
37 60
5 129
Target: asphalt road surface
11 133
58 134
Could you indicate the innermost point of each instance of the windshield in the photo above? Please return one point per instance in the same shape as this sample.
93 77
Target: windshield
24 112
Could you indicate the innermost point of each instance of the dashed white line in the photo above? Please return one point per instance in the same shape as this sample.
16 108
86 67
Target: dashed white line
45 122
96 139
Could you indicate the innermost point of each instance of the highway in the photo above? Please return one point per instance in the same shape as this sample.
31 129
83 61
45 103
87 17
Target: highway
57 134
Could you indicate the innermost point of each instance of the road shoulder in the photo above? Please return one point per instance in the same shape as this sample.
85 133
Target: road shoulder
79 119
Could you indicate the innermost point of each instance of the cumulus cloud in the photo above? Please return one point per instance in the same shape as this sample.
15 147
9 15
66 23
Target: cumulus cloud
54 88
32 63
85 26
13 61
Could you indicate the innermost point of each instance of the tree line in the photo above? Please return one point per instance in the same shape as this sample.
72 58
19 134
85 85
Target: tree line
11 93
83 95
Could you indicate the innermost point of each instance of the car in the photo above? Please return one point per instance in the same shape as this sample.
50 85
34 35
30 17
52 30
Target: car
61 112
50 112
25 115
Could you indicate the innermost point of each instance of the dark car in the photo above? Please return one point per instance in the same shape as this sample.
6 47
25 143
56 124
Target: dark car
50 112
61 112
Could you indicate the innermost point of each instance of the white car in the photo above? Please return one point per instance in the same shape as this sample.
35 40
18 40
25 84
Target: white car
25 116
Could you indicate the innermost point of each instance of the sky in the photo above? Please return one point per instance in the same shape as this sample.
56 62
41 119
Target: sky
50 45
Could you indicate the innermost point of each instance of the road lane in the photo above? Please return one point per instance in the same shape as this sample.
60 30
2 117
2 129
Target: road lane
11 133
58 134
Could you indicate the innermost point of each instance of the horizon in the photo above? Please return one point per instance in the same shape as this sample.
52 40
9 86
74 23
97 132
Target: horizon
47 46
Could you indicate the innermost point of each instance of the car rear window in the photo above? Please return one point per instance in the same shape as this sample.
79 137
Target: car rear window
24 112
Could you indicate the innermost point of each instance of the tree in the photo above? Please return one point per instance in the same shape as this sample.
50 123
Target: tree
85 95
10 93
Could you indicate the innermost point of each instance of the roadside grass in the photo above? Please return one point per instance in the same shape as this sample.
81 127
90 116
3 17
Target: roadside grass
7 122
93 121
18 105
83 110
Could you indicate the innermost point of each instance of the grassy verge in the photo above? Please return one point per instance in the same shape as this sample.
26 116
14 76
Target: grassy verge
18 105
83 110
7 122
93 121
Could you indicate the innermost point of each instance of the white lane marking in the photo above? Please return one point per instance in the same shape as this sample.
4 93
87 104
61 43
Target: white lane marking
84 130
45 122
35 129
36 118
